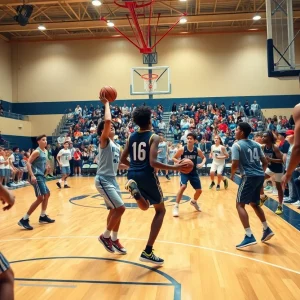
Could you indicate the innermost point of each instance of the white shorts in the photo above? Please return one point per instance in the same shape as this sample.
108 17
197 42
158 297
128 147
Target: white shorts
277 176
217 167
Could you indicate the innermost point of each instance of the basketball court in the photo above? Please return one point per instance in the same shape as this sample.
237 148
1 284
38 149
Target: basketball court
64 260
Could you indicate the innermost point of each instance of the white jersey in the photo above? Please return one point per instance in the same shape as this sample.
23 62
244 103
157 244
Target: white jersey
217 151
172 152
65 156
2 165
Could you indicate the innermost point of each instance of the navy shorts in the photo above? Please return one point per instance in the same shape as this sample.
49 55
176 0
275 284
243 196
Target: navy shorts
4 264
249 189
193 178
148 185
40 188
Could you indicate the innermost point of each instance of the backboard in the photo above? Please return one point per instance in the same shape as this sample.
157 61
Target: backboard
150 80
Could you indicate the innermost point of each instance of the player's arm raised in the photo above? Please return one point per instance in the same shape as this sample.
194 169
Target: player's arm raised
104 138
177 156
202 156
153 158
34 155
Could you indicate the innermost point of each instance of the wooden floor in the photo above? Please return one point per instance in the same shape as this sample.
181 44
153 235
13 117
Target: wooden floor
64 260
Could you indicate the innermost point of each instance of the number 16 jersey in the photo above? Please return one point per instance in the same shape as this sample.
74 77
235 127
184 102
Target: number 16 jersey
139 151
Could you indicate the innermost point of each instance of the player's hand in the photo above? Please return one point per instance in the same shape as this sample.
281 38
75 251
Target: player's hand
6 163
285 179
60 164
33 180
199 166
182 167
102 98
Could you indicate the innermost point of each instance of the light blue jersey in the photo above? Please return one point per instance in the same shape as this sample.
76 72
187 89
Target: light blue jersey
109 158
248 153
163 148
39 164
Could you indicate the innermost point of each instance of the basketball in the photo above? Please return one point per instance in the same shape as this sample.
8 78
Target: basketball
109 93
190 165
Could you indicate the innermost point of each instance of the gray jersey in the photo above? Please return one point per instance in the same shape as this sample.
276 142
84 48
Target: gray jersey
109 158
39 164
162 147
248 153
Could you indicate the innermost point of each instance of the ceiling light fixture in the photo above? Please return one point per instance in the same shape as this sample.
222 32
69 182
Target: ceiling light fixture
110 24
96 2
41 27
256 17
183 21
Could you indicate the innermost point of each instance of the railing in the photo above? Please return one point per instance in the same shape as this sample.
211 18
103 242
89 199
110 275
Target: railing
7 114
58 128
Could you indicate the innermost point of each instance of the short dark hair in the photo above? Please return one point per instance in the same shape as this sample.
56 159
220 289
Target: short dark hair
66 142
271 136
142 116
246 128
100 127
38 138
192 134
15 148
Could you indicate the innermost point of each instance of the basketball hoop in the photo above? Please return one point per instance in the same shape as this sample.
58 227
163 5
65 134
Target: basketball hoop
150 82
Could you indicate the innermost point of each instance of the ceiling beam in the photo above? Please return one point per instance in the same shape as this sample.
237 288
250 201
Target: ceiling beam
124 22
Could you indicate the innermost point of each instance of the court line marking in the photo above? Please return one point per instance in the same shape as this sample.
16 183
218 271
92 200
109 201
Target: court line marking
166 242
45 285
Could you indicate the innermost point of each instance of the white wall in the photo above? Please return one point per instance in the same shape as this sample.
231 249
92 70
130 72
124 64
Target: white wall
201 65
5 71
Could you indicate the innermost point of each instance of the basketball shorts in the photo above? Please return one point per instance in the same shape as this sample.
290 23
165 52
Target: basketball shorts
40 187
249 189
4 264
109 189
217 167
7 172
65 170
148 184
277 176
193 178
162 160
2 172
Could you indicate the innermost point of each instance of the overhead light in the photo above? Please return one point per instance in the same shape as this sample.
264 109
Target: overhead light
41 27
96 2
182 0
253 29
110 24
183 20
256 17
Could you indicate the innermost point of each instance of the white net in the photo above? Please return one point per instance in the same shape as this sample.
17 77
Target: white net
150 82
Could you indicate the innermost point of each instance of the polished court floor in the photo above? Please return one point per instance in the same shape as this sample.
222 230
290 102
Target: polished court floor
64 260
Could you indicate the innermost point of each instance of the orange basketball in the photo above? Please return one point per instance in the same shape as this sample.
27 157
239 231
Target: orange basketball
109 93
190 165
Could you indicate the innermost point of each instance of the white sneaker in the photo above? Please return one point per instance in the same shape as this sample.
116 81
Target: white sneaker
275 192
286 199
297 203
195 204
176 211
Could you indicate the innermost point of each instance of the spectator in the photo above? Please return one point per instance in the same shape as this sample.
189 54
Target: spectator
78 111
161 125
254 108
247 108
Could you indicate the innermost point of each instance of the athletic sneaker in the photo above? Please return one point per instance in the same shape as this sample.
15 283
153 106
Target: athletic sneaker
248 240
66 186
263 200
168 177
267 188
267 234
58 184
132 188
297 203
151 258
176 211
107 243
195 204
225 184
279 210
211 185
45 219
118 247
290 201
218 187
25 224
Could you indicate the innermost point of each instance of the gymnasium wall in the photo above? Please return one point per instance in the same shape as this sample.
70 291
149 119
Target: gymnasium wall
5 73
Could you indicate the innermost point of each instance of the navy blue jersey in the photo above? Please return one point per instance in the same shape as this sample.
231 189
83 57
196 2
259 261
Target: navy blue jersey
192 155
139 151
274 167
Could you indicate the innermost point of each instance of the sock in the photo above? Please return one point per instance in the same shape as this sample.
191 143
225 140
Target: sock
262 196
194 200
43 213
248 231
106 234
114 235
148 249
176 204
265 225
60 181
65 182
26 217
